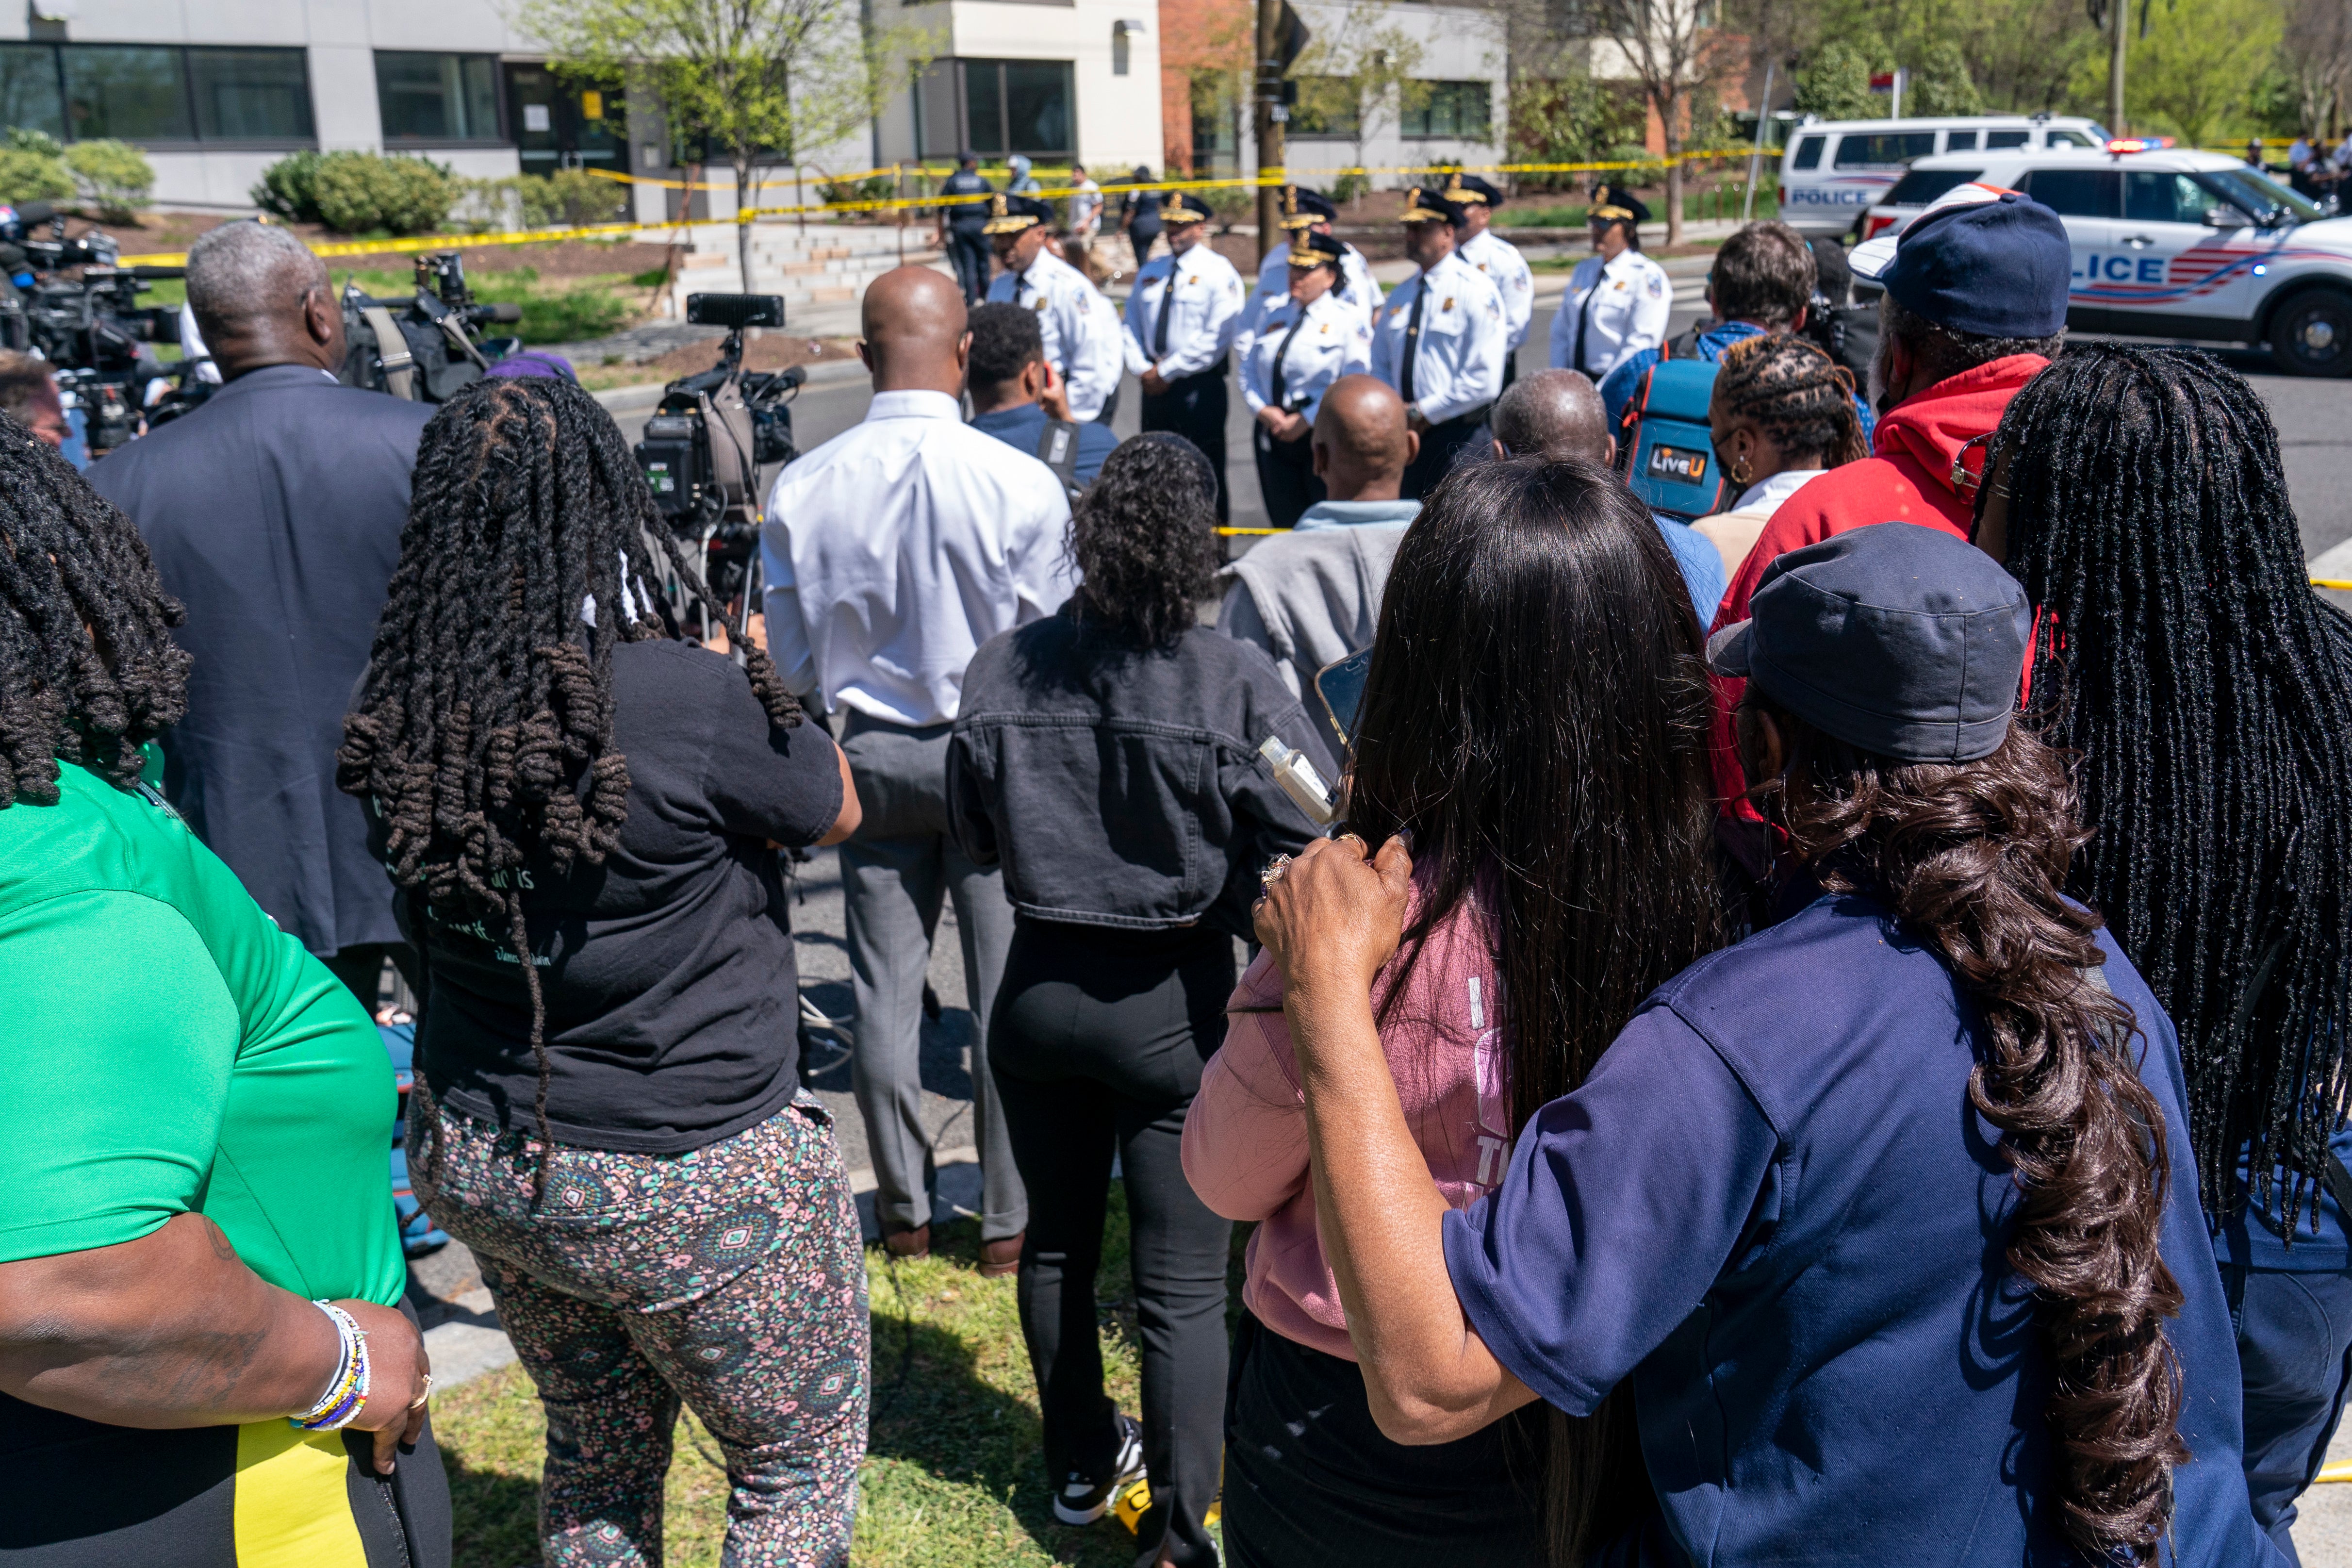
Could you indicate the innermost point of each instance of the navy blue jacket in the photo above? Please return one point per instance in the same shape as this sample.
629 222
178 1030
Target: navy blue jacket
274 513
1772 1206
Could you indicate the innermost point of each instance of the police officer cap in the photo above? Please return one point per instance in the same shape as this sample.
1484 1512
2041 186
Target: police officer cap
1301 207
1312 250
1423 205
1990 262
1609 194
1183 208
1465 189
1899 640
1011 215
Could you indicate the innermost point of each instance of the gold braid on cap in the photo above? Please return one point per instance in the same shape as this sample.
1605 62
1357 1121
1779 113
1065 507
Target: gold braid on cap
1457 192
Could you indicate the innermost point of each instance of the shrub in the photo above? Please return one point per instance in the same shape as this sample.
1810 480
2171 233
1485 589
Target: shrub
290 188
872 188
24 139
30 176
569 198
115 177
360 193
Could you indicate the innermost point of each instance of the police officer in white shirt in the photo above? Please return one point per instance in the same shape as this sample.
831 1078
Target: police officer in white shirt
1439 342
892 552
1298 349
1181 318
1311 211
1498 258
1617 302
1079 326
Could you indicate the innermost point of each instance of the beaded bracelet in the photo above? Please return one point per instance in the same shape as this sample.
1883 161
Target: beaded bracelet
348 1389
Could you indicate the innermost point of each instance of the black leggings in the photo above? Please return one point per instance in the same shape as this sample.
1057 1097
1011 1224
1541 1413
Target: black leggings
1096 1042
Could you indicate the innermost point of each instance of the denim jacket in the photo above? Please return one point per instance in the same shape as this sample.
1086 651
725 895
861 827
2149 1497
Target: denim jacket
1123 787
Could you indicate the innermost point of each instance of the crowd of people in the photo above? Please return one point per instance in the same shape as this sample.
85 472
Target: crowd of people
1812 1030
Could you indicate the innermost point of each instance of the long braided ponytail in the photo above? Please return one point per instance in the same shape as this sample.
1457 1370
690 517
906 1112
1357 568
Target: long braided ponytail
1797 394
484 730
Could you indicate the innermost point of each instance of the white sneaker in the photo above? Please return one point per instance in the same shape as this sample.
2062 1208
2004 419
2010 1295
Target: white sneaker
1083 1500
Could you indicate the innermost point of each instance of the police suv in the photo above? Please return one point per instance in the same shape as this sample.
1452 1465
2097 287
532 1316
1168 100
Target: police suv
2173 243
1831 171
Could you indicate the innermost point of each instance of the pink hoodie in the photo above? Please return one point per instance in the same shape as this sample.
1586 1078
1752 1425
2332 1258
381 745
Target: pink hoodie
1245 1135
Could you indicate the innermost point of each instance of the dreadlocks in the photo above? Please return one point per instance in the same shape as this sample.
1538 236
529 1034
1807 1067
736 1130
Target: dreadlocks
2209 693
68 560
1797 394
484 730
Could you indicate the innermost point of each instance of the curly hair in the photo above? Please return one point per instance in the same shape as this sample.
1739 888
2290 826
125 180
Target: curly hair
1145 540
1797 394
2209 692
68 561
484 728
1972 857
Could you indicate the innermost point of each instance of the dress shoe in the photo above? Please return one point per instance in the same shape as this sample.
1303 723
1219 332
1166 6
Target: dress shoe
915 1243
1000 1257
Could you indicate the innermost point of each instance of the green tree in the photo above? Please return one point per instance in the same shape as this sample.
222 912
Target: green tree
1358 76
1573 119
2199 63
1834 81
1941 83
755 78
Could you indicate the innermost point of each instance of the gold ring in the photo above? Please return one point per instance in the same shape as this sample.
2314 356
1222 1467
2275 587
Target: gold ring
419 1403
1274 870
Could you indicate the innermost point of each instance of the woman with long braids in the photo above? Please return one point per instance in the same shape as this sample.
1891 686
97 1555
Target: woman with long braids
1782 412
1560 810
581 812
1887 1214
2137 495
203 1354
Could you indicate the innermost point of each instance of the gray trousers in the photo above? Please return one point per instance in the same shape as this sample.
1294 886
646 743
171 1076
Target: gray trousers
894 872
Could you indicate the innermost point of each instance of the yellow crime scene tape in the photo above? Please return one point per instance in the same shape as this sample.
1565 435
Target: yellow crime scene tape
2340 1471
2337 583
1263 179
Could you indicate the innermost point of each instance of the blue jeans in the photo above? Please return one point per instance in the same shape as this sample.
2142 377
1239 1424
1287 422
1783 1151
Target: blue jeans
2295 1352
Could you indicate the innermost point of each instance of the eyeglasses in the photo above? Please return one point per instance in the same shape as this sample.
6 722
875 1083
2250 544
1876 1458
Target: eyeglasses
1963 481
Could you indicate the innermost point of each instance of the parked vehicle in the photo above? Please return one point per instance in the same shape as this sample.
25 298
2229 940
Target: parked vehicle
1832 170
2173 243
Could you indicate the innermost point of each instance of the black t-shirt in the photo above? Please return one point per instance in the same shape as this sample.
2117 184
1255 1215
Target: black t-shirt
1144 205
673 1009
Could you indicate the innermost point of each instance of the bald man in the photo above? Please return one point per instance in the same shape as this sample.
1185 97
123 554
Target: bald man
1313 595
892 552
1554 414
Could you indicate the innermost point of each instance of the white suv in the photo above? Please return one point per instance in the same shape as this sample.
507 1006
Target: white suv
1833 169
2173 244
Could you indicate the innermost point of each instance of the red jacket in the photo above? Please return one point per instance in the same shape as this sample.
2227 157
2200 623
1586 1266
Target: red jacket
1908 479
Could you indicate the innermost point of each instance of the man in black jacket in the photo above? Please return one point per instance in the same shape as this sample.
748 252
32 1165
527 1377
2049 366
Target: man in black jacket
274 512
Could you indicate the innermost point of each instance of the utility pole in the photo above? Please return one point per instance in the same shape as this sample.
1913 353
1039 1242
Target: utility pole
2115 9
1272 116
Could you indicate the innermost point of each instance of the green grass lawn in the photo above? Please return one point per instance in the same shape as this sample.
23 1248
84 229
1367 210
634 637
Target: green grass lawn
552 312
952 1476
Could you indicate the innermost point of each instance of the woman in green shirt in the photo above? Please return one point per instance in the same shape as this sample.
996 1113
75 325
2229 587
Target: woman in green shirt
202 1359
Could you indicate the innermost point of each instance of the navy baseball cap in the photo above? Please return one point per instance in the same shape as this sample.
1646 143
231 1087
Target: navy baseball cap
1981 259
1899 640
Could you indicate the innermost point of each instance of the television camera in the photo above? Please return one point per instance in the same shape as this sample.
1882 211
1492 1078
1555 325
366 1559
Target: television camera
91 326
425 347
710 441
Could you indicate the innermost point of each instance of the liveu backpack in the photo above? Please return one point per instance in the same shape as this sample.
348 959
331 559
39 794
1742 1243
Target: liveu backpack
1665 446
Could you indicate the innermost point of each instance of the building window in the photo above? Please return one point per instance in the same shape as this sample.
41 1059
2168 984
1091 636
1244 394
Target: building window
1326 108
1454 109
557 123
437 98
996 108
1216 127
156 93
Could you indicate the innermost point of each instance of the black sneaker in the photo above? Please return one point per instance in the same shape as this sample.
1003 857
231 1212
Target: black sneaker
1083 1500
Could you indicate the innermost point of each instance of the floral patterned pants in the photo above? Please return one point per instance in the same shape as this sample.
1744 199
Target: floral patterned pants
730 1277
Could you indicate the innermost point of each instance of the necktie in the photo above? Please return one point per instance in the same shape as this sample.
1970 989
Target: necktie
1412 337
1584 320
1167 309
1275 380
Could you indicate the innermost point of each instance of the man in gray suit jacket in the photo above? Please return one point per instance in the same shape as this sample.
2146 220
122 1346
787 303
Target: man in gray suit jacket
274 512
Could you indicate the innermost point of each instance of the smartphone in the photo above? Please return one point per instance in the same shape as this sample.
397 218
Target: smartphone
1340 686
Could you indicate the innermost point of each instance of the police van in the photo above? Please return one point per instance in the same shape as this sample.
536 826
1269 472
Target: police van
1833 171
2173 243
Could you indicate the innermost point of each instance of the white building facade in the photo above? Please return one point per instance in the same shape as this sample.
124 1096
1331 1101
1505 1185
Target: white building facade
1461 83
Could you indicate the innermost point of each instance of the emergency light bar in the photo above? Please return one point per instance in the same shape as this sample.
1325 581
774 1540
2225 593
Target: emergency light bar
2140 144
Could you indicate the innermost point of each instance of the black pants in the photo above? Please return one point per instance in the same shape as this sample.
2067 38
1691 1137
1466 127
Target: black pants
1311 1479
1194 407
1096 1044
1285 476
1142 235
1440 444
967 252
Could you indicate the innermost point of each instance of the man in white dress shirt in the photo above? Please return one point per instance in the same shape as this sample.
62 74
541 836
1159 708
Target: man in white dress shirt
1299 346
1498 258
1617 302
892 552
1311 211
1440 342
1079 326
1181 318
